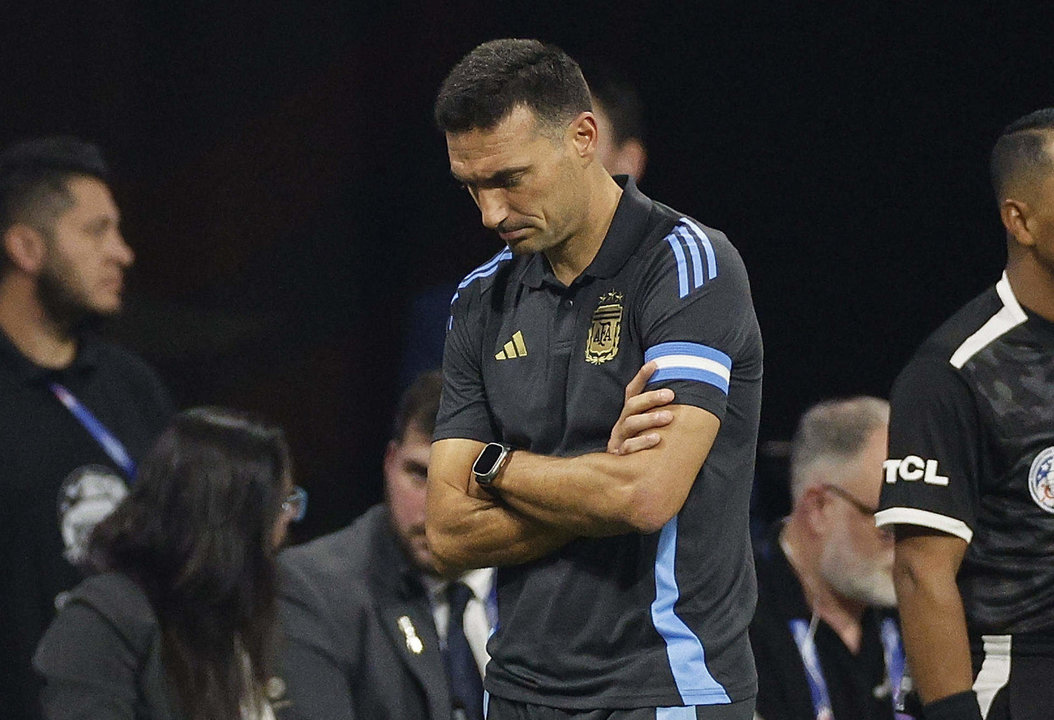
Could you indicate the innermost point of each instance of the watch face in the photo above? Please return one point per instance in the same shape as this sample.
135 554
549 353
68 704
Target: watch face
485 462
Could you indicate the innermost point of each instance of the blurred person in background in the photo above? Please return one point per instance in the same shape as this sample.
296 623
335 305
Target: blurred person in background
76 413
178 624
825 637
367 616
620 120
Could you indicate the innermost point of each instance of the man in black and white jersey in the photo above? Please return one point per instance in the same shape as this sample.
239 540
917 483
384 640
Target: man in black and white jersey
625 581
969 483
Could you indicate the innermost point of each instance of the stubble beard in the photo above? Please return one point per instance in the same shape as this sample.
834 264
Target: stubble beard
61 304
856 578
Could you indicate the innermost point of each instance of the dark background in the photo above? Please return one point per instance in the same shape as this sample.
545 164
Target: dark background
287 195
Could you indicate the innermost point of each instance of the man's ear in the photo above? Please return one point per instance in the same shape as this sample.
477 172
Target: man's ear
389 457
1015 215
25 247
814 502
583 132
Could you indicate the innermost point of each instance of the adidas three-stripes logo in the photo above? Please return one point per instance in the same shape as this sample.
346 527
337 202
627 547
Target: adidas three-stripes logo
515 348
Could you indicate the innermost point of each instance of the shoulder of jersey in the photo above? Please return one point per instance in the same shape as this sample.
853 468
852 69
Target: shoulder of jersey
967 324
483 277
698 252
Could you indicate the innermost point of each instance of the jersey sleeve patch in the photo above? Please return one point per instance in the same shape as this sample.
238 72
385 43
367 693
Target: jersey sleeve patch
923 518
690 361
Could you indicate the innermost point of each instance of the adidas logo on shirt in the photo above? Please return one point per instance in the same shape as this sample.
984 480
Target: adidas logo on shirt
513 349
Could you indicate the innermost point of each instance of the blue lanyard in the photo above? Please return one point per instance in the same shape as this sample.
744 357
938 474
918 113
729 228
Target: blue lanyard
492 603
892 652
113 447
803 633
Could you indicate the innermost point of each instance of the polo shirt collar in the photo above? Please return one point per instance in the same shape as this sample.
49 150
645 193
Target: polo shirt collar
26 372
622 239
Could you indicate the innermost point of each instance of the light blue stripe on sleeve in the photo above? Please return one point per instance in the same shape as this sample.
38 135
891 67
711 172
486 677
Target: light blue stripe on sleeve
682 270
711 260
684 347
683 649
684 712
689 361
693 248
487 268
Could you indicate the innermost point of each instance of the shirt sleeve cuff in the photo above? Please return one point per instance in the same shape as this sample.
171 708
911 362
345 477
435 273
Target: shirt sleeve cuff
923 518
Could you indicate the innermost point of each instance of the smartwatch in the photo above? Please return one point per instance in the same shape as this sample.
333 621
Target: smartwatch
490 462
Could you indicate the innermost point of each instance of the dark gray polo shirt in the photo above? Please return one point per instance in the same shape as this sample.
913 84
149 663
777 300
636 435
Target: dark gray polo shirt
634 620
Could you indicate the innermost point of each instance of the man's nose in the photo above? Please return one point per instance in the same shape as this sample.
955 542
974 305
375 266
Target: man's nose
492 206
120 250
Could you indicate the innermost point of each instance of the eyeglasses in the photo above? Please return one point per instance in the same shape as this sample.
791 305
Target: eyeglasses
295 504
859 506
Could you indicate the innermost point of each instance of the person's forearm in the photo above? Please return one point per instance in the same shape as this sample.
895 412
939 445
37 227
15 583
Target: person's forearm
489 535
593 495
934 630
601 494
468 528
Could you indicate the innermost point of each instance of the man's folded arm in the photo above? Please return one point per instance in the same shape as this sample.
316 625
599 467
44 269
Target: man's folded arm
602 494
540 503
467 528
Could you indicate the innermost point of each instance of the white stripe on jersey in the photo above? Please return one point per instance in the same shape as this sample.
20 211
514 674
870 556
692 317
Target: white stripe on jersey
923 518
995 670
691 361
1009 317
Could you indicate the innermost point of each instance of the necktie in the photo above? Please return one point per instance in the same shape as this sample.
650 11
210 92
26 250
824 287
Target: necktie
466 686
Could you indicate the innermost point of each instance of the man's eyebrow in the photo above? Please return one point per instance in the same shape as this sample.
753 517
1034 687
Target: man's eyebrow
498 178
102 220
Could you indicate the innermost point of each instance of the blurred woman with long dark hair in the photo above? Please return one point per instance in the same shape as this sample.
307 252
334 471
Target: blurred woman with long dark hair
179 621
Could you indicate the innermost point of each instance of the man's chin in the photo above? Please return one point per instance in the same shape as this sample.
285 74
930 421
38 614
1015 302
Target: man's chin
420 556
79 316
90 319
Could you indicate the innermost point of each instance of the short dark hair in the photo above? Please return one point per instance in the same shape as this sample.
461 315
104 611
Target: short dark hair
618 99
500 75
33 180
197 534
418 406
1021 150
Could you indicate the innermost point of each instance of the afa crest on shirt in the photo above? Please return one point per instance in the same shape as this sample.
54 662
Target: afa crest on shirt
1041 479
605 330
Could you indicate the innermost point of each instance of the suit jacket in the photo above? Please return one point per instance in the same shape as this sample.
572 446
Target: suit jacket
101 657
360 641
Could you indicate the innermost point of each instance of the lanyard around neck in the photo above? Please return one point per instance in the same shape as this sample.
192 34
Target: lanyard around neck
804 634
106 439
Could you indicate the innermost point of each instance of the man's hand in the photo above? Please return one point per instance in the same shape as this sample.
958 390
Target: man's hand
631 433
